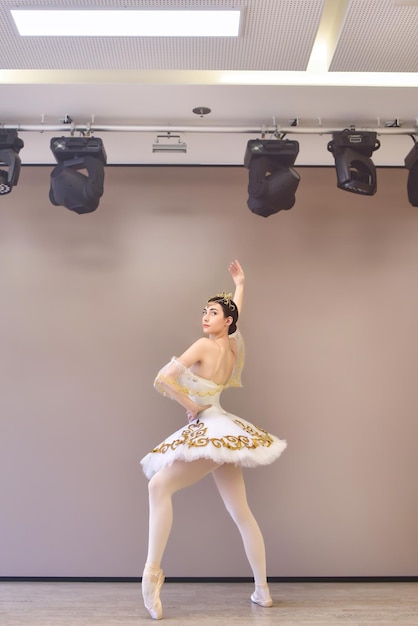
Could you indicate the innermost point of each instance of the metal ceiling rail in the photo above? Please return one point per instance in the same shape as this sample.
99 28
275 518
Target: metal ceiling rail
261 130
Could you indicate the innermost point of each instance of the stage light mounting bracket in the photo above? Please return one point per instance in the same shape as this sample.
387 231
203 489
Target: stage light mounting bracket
67 148
286 149
365 142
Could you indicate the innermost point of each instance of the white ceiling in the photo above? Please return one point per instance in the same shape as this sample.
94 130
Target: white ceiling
152 84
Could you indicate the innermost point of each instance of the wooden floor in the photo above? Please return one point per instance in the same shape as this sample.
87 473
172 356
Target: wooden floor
209 604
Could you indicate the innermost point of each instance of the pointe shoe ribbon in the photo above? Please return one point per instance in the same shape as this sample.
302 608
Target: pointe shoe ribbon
151 587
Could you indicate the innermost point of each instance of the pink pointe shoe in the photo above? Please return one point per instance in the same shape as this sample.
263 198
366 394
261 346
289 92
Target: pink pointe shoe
261 596
151 587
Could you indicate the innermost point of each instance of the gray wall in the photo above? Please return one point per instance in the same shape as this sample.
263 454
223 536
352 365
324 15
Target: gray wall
93 305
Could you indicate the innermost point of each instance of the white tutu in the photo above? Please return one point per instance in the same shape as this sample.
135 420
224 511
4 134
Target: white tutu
216 435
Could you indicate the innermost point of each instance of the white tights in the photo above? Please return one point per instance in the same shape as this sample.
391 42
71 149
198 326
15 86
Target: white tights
230 483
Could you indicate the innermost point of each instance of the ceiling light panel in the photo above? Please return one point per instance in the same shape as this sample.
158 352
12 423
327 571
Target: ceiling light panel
103 23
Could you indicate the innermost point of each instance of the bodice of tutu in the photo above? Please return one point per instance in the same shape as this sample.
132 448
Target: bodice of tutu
186 382
174 375
201 390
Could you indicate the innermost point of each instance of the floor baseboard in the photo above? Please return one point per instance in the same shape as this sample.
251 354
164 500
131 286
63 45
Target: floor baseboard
215 579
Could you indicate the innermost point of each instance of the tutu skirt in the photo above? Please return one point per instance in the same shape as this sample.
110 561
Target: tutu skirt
219 436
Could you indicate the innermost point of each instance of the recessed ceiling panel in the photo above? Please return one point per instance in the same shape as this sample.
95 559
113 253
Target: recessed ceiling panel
378 36
275 35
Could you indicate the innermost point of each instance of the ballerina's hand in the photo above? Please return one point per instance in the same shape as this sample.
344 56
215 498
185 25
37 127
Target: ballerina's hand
236 272
191 415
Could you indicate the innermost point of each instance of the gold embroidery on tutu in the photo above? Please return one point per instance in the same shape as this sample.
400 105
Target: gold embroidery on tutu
161 379
194 436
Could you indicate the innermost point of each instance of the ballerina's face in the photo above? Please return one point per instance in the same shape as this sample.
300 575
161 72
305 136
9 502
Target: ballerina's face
214 321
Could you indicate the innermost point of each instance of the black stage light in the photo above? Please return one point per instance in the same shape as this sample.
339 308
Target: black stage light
69 187
411 163
352 151
272 180
10 146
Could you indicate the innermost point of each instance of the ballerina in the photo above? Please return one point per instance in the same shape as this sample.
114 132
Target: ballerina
213 442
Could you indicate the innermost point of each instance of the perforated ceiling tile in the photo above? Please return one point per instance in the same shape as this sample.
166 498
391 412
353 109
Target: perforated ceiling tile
277 35
378 36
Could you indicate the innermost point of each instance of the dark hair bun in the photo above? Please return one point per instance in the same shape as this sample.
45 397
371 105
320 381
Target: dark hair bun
232 329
